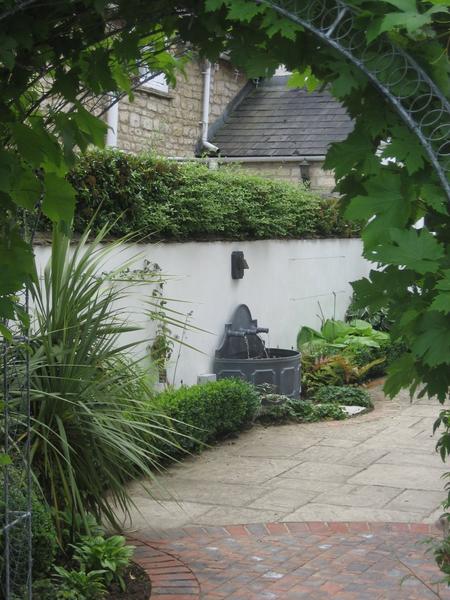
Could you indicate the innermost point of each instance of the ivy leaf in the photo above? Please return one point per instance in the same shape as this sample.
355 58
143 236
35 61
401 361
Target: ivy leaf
432 343
59 198
400 374
303 79
413 249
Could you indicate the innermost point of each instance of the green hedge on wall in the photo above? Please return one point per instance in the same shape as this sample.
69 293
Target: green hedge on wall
167 200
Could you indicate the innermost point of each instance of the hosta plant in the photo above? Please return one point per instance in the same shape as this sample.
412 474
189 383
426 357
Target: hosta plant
340 335
79 585
110 555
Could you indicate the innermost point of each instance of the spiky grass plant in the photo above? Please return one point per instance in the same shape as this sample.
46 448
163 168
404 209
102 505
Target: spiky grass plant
93 427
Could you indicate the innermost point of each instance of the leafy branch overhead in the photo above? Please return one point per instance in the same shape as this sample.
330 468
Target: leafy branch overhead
58 68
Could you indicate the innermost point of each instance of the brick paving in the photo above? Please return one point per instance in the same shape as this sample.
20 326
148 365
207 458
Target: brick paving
292 561
346 506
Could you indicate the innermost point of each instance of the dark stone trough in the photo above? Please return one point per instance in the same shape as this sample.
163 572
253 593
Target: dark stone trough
243 354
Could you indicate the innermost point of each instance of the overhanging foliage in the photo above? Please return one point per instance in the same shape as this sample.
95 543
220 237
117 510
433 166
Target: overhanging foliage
77 50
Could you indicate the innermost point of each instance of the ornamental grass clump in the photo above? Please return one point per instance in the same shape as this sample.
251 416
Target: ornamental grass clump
92 426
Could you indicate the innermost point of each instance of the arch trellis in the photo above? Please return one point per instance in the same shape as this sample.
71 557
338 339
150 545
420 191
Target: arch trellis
402 81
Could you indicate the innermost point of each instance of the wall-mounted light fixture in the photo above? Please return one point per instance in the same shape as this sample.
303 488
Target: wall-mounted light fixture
304 171
238 264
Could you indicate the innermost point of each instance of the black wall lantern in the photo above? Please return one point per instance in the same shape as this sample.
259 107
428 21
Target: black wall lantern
238 264
305 174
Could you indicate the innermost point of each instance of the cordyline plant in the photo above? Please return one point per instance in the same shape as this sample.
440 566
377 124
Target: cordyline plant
93 427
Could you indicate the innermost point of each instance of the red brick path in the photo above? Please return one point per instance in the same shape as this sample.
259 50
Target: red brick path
290 561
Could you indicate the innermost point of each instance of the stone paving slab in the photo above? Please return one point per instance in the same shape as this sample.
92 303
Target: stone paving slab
378 466
292 561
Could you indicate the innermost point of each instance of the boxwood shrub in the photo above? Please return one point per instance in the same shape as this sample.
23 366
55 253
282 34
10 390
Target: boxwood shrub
204 413
168 200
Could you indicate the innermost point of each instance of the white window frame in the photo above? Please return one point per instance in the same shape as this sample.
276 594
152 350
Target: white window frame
158 82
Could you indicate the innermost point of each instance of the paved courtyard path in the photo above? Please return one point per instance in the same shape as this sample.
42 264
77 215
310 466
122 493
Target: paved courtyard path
381 466
319 511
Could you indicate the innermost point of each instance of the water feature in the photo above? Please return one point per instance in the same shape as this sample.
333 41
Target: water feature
243 353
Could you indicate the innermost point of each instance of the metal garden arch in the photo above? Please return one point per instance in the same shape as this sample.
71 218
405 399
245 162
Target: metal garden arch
422 105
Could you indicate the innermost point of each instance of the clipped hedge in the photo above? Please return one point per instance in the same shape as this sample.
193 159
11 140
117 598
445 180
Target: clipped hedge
205 413
167 200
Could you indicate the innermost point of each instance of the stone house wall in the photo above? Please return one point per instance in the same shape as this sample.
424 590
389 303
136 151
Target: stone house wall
320 180
170 123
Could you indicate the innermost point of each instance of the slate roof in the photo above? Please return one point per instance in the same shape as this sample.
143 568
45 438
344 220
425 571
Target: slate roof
273 120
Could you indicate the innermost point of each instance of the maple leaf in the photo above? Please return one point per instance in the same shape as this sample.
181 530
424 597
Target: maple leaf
434 196
413 249
404 146
383 207
432 343
441 302
305 78
401 373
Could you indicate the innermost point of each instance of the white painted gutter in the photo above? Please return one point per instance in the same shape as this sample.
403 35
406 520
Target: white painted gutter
205 108
251 159
112 120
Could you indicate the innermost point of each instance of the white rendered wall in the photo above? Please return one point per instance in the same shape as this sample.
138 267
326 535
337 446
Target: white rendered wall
283 287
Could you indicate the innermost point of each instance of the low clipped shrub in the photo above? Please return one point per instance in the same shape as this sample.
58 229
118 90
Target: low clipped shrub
167 200
343 394
204 413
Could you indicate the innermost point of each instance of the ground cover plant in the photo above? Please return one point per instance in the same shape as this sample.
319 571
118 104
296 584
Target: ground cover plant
166 200
343 394
90 566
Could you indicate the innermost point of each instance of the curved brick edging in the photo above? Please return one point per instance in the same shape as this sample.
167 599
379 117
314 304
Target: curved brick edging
172 579
268 529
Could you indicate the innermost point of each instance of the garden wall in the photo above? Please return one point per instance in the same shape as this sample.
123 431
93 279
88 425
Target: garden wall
285 282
